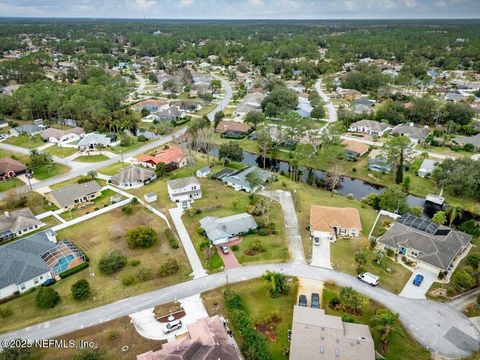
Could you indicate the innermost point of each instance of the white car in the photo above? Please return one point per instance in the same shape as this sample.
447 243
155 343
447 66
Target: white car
368 278
172 326
224 249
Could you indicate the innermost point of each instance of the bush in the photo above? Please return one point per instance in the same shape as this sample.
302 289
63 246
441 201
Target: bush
128 280
134 201
127 210
390 252
126 141
233 301
112 334
334 302
88 354
134 262
112 262
263 231
47 298
235 248
348 318
145 274
360 270
74 270
81 290
5 312
142 138
172 240
169 268
141 237
84 179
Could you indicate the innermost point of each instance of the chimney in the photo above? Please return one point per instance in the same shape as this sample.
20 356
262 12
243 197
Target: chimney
6 214
51 235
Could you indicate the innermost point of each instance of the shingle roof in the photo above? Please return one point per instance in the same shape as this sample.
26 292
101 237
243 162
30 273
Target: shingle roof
414 132
371 124
218 228
20 261
67 195
355 146
224 126
93 139
474 140
18 220
324 218
28 129
8 164
182 182
132 174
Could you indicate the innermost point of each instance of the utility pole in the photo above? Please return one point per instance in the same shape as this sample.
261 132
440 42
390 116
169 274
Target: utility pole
29 175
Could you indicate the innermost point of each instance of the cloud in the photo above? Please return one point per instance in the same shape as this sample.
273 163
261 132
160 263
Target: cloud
441 4
185 3
411 3
256 2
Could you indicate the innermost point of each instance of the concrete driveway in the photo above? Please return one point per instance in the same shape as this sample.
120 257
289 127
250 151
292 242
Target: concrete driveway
321 254
307 287
418 292
229 260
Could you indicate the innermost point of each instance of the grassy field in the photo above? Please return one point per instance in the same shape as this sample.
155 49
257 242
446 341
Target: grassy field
91 158
62 152
46 172
112 169
16 156
95 237
10 184
25 141
50 221
108 337
259 306
401 346
123 149
98 203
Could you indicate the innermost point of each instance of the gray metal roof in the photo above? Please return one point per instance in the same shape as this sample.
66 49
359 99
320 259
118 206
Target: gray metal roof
219 228
428 164
21 260
67 195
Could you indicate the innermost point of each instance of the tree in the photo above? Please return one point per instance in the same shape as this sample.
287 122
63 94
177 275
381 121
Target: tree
280 100
16 353
397 149
219 115
160 169
141 237
462 280
473 261
254 180
361 257
351 300
453 212
255 117
394 199
318 112
265 143
386 323
206 141
458 113
278 283
47 298
459 176
112 262
100 147
93 174
439 218
81 289
230 151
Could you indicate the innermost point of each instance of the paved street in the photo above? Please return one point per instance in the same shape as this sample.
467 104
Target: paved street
437 326
332 112
226 99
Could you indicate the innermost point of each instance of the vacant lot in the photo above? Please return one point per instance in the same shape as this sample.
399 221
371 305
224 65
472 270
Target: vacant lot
92 158
29 142
95 237
259 306
46 172
62 152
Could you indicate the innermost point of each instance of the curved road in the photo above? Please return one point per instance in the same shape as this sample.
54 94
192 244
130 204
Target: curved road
437 326
332 112
226 99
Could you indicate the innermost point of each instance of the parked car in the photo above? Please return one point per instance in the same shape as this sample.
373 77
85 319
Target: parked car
315 301
368 278
172 326
224 249
302 300
316 241
417 281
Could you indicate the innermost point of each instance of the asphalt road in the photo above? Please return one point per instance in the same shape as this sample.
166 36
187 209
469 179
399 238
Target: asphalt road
226 99
437 326
332 112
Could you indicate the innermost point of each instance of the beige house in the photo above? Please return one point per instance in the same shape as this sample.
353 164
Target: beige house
75 195
319 336
330 222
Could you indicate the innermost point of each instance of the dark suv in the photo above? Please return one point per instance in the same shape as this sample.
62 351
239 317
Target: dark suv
315 301
302 300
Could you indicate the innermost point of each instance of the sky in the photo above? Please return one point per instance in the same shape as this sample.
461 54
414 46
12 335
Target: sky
244 9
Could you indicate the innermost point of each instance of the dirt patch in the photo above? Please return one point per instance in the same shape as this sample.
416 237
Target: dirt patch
162 310
268 327
439 292
177 315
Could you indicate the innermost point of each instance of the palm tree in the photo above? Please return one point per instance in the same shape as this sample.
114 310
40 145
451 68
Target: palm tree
386 323
453 212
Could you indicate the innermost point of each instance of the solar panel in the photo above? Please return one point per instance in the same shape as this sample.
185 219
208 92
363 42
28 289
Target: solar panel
418 223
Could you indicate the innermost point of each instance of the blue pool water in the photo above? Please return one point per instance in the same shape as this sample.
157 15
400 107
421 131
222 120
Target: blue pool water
62 264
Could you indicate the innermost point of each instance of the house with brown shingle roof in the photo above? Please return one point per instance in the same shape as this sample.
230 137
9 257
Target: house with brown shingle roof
355 149
10 168
330 222
233 127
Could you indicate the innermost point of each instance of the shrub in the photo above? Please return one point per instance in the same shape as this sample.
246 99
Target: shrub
360 269
145 274
390 252
169 268
81 290
235 248
74 270
263 231
88 354
5 312
134 201
348 318
112 262
233 301
255 248
134 262
334 302
172 240
47 298
84 179
112 334
141 237
142 138
128 280
127 210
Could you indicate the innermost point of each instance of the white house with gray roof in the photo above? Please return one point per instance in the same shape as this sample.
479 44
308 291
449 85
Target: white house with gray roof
433 247
71 196
415 133
474 140
133 177
427 168
28 129
92 140
184 190
18 222
371 127
222 230
241 180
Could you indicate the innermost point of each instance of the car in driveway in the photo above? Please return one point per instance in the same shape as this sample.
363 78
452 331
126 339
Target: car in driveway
417 281
315 301
224 249
316 241
172 326
302 300
369 278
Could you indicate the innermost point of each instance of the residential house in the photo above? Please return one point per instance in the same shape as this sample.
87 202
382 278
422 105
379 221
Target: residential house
233 128
316 335
295 86
222 174
355 149
18 222
348 94
432 246
330 222
173 157
474 140
415 133
304 108
133 177
148 134
10 168
223 230
151 105
378 161
241 179
71 196
55 136
427 168
390 72
251 102
455 96
93 140
184 190
29 262
27 129
203 172
207 339
371 127
169 114
3 124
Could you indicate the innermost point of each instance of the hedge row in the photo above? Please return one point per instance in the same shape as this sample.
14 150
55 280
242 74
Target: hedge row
74 270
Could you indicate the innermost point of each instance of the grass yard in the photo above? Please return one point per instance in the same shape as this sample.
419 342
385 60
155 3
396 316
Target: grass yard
206 109
46 172
10 184
259 306
124 149
74 181
25 141
62 152
95 237
444 150
16 156
108 337
100 202
92 158
112 169
50 221
401 346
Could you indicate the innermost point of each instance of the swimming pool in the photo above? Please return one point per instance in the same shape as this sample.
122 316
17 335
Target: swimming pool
62 264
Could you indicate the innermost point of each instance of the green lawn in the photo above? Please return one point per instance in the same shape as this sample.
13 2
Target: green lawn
50 221
91 158
112 169
444 150
113 226
62 152
16 156
74 181
46 172
259 306
401 346
10 184
29 142
124 149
